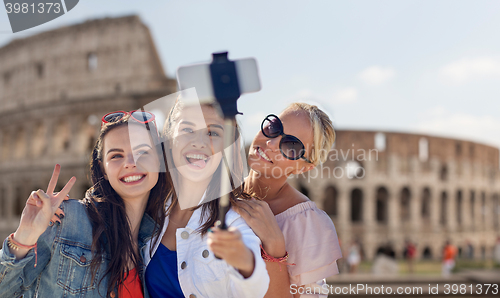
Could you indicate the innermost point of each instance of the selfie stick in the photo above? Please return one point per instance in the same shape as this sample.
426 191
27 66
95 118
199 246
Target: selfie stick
223 80
226 91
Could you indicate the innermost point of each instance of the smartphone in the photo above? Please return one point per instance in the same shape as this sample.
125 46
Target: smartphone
198 76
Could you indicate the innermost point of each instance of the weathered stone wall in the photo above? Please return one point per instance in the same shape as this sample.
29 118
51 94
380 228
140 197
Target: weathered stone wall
54 89
450 193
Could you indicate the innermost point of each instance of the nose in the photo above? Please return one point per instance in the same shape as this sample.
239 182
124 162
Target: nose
200 139
130 161
274 143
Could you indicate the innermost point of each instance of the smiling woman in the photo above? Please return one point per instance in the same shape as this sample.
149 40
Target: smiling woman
97 249
293 231
184 264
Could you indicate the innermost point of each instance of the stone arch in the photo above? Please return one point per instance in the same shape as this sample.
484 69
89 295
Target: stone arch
38 145
423 149
443 172
330 201
91 61
443 208
496 211
380 141
472 206
405 204
483 207
382 205
5 146
355 169
426 203
427 253
20 143
380 250
87 134
459 207
356 205
61 136
3 202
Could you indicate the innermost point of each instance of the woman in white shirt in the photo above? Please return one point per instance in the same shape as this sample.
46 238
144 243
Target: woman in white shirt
183 263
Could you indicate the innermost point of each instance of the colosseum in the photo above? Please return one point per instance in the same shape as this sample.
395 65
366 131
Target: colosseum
54 88
378 187
386 187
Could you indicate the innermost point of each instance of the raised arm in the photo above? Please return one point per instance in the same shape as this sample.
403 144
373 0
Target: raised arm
34 221
240 248
261 220
38 212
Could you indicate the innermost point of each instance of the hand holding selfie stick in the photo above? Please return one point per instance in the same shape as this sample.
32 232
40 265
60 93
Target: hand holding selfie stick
223 81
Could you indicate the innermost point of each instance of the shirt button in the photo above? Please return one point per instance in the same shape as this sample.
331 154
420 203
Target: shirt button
83 259
205 253
183 265
192 296
112 294
185 235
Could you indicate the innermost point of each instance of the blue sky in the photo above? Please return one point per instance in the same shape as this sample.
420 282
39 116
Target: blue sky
413 66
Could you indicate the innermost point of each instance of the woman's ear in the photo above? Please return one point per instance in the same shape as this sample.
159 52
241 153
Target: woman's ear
308 168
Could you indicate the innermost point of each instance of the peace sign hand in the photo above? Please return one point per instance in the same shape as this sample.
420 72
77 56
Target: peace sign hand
40 208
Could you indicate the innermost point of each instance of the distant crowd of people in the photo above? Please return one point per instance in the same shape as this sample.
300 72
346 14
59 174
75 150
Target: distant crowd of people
385 261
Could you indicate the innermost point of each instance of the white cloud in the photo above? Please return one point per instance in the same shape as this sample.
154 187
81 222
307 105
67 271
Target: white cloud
376 75
346 95
438 121
469 68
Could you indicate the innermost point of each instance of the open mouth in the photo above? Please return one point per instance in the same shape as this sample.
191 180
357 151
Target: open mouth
197 160
263 155
133 178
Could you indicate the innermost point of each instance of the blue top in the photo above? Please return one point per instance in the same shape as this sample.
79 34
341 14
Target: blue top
161 274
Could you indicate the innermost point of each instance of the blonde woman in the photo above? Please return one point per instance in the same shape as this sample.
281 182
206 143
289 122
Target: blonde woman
293 231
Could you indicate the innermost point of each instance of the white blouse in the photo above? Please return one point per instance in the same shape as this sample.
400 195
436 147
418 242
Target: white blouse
202 275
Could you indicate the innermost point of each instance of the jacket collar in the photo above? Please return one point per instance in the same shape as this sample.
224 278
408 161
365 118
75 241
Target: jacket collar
146 230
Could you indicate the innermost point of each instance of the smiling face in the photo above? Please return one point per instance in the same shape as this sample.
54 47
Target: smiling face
197 142
265 156
130 161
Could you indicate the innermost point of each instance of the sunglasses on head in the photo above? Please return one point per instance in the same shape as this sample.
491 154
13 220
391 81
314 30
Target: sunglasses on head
138 115
290 146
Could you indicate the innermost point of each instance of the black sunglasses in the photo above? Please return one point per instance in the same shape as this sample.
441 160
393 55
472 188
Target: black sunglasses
290 146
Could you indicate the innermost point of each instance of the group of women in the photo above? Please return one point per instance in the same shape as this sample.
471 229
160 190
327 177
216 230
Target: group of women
138 234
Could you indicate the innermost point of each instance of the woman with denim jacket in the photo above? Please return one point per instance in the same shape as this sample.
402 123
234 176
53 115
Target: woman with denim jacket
96 251
184 263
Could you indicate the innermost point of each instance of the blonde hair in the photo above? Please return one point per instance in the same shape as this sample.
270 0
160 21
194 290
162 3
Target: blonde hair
323 131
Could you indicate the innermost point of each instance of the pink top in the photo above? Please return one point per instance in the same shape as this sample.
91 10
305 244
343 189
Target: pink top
311 242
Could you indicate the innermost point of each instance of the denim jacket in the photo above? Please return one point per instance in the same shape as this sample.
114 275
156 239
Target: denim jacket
64 257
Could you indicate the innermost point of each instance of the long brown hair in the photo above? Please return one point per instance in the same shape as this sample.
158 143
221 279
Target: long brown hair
112 236
210 210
